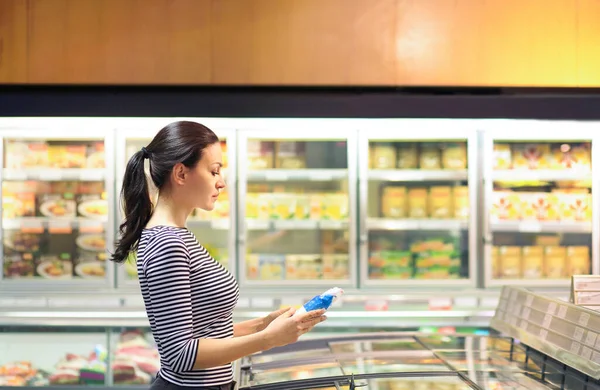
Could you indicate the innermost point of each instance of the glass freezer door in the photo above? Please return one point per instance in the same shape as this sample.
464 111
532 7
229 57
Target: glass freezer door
56 225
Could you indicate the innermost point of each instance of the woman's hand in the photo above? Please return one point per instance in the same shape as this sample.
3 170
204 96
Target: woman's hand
266 321
286 329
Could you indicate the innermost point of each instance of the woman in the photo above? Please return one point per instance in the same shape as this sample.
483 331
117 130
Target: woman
189 297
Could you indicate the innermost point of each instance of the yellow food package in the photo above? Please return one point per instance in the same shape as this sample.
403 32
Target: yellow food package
221 209
417 203
574 206
506 205
555 262
265 205
252 271
252 205
530 156
440 202
429 156
283 206
290 155
454 155
224 154
384 155
510 262
572 156
495 262
302 206
578 258
316 205
393 202
502 156
533 262
535 206
335 207
407 156
260 154
460 194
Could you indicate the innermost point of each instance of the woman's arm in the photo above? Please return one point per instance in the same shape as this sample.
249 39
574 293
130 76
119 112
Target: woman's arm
249 327
167 275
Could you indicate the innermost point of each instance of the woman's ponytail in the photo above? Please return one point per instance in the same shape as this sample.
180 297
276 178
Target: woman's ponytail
137 206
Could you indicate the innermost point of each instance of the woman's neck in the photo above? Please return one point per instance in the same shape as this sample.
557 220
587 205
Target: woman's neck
168 213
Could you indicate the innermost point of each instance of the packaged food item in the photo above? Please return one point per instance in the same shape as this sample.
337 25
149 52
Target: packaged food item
17 203
393 202
506 205
336 266
572 156
302 206
90 266
252 267
264 205
19 241
537 206
574 205
16 153
335 207
454 155
533 262
55 266
18 265
252 205
440 202
510 262
460 194
260 154
96 156
407 155
496 266
290 155
225 155
316 206
530 156
502 156
33 155
221 209
396 264
555 259
322 301
384 155
57 205
578 260
272 267
417 203
93 206
429 157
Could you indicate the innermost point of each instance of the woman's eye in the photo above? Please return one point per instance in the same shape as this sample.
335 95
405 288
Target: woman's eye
215 173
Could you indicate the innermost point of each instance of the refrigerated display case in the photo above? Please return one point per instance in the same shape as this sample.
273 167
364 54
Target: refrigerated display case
540 181
418 203
297 207
215 229
57 198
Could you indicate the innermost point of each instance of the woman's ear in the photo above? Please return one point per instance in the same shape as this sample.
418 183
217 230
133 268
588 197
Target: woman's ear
179 173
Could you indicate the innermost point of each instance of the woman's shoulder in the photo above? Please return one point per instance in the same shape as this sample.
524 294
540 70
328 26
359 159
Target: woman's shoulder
164 236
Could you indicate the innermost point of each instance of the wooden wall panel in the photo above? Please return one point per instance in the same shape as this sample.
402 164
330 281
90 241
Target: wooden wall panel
335 42
301 42
13 41
588 43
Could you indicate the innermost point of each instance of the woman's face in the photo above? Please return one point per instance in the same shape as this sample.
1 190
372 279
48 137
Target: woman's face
205 181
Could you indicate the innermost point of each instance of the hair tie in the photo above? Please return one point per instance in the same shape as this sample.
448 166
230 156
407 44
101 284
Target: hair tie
145 152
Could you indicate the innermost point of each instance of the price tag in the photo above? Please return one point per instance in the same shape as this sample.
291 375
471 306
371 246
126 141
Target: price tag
60 227
562 312
376 305
586 353
440 304
591 338
543 334
578 334
276 176
262 303
584 319
86 226
530 227
552 308
52 175
32 225
547 321
575 347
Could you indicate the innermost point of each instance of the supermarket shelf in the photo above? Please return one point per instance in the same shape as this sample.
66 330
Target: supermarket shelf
256 224
54 174
416 224
512 175
530 282
541 227
298 175
418 175
217 224
416 283
33 223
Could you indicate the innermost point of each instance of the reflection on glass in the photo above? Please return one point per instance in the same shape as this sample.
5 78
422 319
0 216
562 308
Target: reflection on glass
542 224
135 358
297 212
319 370
408 344
504 380
461 343
278 357
44 357
420 362
53 216
479 361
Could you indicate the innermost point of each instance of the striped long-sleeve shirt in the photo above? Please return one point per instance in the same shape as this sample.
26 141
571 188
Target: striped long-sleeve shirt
188 296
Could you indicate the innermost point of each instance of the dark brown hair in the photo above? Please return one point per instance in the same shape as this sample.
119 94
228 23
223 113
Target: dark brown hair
179 142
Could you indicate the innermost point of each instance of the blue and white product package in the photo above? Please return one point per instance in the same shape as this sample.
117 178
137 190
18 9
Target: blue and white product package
322 301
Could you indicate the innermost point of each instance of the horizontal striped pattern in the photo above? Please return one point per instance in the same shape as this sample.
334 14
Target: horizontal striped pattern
188 296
